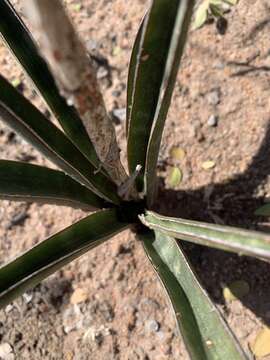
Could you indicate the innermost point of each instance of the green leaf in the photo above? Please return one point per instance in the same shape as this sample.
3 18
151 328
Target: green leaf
29 122
50 255
216 10
179 30
132 73
17 37
201 15
151 56
174 177
26 182
243 242
203 329
263 210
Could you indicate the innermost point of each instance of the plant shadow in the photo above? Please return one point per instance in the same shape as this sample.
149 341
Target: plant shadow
232 203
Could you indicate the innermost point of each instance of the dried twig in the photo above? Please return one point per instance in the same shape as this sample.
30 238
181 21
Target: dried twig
76 78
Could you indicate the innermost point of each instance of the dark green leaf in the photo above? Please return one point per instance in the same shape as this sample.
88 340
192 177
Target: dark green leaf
25 119
132 73
227 238
150 76
47 257
22 45
204 331
26 182
151 54
183 15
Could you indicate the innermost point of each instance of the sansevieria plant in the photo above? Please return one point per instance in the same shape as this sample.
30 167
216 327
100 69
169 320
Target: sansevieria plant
91 175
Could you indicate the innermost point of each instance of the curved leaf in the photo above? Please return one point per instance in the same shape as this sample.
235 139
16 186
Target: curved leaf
204 331
244 242
22 45
47 257
175 52
25 119
26 182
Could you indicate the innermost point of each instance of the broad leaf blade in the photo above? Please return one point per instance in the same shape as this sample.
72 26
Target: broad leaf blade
227 238
22 45
151 56
47 257
25 119
175 52
204 331
26 182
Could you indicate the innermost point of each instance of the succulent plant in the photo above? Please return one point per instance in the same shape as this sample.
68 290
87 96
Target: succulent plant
91 175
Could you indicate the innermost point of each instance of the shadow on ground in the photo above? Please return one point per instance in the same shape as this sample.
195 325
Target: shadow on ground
232 203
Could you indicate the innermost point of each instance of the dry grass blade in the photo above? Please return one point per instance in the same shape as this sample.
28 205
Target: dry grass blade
76 78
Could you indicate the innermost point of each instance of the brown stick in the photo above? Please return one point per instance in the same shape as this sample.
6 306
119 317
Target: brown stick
76 78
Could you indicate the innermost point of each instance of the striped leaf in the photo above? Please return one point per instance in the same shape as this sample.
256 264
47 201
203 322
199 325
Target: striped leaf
243 242
204 331
175 52
26 182
29 122
154 51
47 257
17 37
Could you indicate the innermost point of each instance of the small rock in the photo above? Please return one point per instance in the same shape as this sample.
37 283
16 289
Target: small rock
102 72
78 296
18 219
213 97
91 45
219 66
6 352
152 326
119 115
72 319
9 308
27 297
212 121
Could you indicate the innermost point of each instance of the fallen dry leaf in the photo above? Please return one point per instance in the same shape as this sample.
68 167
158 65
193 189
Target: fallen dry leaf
261 345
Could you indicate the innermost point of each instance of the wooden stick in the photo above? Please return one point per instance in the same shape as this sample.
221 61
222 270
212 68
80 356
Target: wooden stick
76 78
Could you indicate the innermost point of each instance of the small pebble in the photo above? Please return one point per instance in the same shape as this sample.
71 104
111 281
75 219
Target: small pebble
9 308
119 114
213 97
152 326
212 121
91 45
6 352
102 72
27 297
